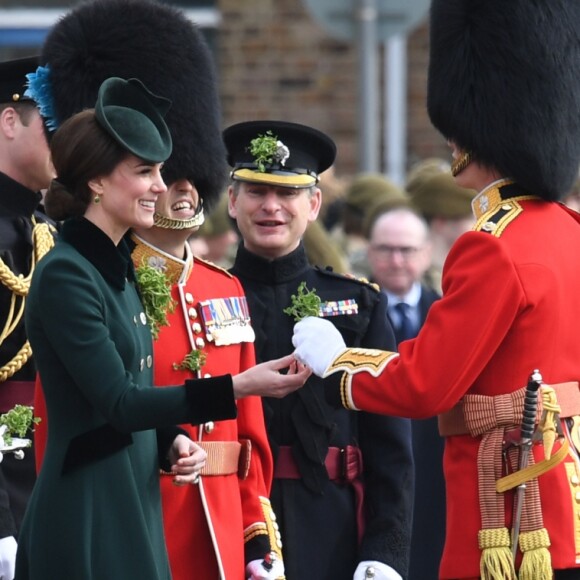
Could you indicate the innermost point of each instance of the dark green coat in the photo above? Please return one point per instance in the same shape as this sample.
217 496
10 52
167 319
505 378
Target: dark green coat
95 512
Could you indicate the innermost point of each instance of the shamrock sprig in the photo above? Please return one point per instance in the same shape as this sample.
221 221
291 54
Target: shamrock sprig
192 361
17 422
265 149
156 296
304 303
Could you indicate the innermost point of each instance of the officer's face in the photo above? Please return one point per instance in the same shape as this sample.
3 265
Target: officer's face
272 219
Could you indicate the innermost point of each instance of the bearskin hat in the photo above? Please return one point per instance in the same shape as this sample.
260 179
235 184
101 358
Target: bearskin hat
504 86
160 46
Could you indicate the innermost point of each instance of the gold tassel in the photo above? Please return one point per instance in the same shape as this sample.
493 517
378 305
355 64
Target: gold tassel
496 556
550 417
536 561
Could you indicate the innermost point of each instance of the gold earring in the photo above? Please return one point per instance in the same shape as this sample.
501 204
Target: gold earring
97 198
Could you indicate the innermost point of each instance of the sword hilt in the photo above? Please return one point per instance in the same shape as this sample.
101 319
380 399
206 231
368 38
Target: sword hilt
530 406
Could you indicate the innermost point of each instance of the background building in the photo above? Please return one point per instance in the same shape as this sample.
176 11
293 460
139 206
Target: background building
274 61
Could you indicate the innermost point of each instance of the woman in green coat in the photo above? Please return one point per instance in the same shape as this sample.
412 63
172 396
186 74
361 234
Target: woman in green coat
95 512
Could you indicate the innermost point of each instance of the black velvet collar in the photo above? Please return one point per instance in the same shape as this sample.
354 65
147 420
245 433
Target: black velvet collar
113 262
17 199
276 271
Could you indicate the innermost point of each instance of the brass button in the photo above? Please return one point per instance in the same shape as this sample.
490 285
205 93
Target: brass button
189 297
209 427
489 226
506 207
199 342
192 313
196 327
207 376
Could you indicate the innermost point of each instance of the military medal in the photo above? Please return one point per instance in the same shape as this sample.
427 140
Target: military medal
227 320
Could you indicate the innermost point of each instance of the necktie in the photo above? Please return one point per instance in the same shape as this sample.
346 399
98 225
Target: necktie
406 326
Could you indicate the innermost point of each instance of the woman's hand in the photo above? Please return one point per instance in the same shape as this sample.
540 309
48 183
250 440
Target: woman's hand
187 460
266 380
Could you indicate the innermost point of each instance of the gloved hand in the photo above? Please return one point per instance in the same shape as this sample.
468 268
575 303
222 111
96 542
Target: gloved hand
317 343
256 571
8 547
370 569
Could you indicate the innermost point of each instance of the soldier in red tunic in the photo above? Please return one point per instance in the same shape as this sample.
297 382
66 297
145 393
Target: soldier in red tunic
504 91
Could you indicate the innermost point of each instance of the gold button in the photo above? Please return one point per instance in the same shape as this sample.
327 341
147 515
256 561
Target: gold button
196 327
143 318
15 97
192 313
506 206
209 427
189 297
142 364
149 361
199 342
489 226
574 480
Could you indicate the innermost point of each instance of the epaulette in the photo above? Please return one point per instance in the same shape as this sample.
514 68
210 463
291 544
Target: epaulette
213 266
350 277
496 220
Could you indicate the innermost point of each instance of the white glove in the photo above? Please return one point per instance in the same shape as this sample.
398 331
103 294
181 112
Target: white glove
255 570
317 343
8 547
375 570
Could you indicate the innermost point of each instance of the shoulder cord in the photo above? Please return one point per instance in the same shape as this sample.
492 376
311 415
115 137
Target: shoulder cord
42 242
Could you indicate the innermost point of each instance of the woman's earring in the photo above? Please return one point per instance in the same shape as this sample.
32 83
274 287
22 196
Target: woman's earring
97 198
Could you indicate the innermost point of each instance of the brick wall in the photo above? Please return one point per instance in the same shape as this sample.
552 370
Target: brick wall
275 62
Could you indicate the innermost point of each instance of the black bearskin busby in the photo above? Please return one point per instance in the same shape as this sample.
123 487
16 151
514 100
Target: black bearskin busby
160 46
504 85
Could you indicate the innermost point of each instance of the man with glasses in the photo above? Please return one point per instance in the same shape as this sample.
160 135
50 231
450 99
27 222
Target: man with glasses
399 254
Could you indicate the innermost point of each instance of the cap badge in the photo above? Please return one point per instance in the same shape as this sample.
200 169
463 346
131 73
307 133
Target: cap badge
268 149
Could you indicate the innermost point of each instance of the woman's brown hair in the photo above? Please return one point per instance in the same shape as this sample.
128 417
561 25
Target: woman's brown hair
81 151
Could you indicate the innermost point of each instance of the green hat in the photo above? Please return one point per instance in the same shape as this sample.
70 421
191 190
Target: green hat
424 170
439 196
366 189
133 116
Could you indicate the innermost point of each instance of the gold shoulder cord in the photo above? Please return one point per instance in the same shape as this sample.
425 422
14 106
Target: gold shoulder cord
42 242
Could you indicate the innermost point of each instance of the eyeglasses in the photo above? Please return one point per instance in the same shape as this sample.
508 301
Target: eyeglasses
384 251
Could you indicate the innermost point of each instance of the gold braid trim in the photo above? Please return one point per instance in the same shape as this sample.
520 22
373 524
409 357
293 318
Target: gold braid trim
496 557
19 285
536 561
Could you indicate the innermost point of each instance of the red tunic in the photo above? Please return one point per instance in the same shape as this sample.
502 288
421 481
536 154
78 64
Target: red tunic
510 305
206 524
